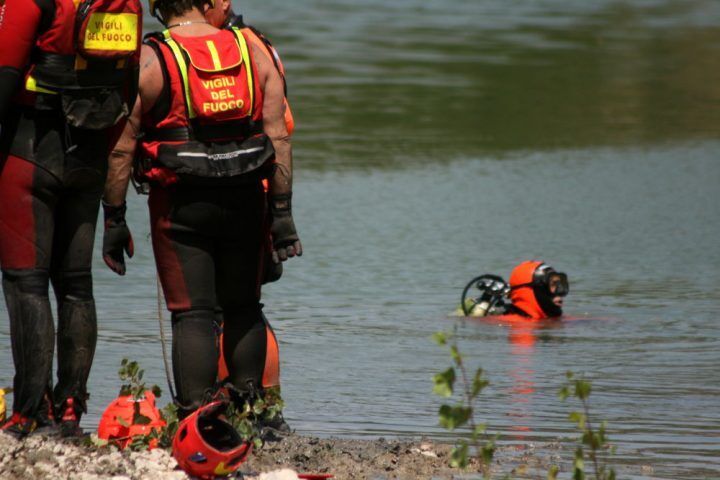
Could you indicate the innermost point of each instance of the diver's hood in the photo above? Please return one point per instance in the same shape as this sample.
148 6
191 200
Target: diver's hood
533 300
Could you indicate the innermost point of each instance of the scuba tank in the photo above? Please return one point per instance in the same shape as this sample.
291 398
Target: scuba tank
491 293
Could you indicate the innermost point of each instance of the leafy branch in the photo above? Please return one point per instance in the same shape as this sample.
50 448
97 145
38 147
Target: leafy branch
131 373
595 439
462 414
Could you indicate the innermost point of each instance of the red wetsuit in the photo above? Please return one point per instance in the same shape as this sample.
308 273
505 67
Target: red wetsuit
52 175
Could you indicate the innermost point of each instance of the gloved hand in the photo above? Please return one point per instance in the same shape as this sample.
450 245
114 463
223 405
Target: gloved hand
286 242
117 238
272 271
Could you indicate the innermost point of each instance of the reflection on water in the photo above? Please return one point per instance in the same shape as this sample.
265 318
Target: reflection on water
439 140
522 340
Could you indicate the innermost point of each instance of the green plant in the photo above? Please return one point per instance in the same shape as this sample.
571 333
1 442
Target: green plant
131 373
594 439
256 408
462 414
246 418
249 413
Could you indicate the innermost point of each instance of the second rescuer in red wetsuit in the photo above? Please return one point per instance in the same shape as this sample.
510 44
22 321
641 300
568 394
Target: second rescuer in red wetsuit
208 129
67 82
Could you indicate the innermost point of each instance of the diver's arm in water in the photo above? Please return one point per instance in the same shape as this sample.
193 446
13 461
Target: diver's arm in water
285 239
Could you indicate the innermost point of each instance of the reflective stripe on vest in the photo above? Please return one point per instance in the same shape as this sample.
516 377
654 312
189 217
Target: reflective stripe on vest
32 86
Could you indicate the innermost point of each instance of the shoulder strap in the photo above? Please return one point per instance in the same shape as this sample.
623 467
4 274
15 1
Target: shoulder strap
161 109
248 67
47 9
182 66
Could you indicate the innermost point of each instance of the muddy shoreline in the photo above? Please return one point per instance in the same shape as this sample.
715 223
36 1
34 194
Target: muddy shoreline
40 456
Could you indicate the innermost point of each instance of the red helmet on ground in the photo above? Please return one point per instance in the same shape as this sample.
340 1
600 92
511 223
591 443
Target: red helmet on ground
533 285
206 446
118 425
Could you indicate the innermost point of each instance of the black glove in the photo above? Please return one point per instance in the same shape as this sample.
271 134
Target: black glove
117 238
272 271
286 242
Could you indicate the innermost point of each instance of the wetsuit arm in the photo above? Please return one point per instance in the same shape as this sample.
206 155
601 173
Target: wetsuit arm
19 21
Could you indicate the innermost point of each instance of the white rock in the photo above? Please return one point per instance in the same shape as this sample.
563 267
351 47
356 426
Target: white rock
285 474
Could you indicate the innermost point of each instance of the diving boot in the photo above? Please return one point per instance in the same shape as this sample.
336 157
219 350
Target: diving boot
273 429
70 419
19 425
45 418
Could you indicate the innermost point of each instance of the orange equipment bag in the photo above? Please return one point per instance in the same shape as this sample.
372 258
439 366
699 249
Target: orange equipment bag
119 425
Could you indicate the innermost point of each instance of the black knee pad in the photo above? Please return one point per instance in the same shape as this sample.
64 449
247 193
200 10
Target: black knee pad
73 285
33 281
194 322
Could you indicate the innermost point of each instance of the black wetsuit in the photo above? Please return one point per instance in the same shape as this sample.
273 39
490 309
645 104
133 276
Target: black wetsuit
210 244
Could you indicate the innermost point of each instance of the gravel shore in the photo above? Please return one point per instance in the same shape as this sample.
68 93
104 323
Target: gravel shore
40 456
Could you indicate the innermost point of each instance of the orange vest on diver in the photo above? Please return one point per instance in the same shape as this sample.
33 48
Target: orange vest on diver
92 64
207 123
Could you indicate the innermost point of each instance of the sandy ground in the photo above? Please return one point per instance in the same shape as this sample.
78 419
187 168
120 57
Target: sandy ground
48 457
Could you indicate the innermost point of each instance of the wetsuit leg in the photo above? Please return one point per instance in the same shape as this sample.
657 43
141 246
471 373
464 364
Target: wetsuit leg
76 217
249 346
183 225
28 196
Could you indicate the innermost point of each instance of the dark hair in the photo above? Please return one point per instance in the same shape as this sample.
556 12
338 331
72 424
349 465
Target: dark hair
170 8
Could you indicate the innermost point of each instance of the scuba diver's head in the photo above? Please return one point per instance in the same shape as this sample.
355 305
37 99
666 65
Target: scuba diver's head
164 9
538 290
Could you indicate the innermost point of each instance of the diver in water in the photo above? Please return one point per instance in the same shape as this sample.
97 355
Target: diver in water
536 291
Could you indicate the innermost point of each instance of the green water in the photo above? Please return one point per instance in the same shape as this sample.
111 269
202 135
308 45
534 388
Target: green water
440 140
378 84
